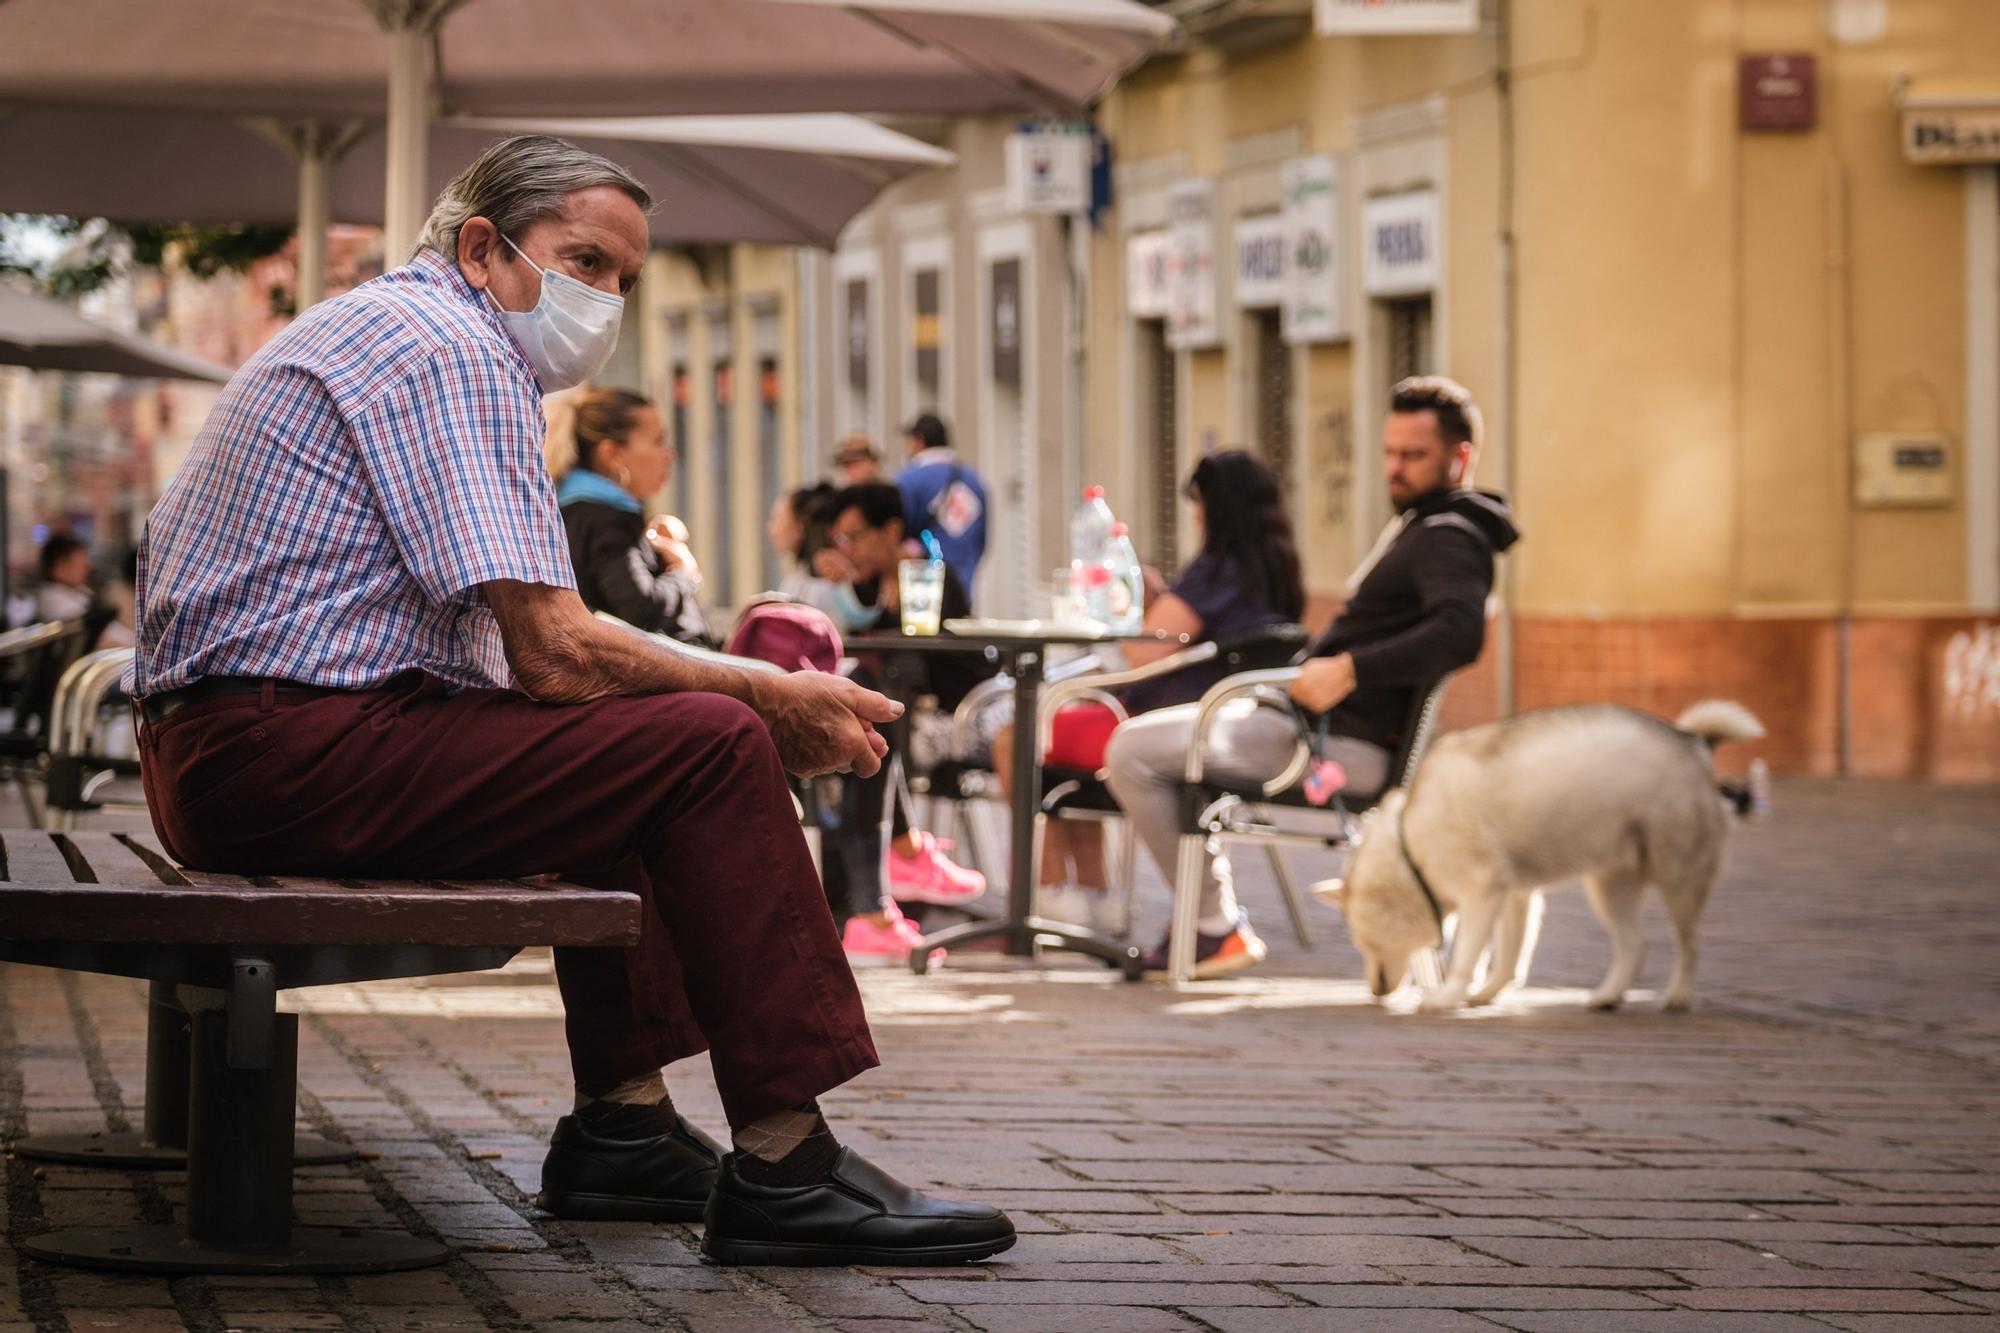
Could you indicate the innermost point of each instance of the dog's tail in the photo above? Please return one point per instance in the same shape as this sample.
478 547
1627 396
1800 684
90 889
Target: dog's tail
1716 721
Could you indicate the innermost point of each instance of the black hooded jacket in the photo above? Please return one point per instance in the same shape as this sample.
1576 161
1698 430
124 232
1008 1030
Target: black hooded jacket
1419 613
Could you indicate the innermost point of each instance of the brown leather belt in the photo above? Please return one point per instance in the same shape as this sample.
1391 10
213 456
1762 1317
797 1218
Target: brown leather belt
157 708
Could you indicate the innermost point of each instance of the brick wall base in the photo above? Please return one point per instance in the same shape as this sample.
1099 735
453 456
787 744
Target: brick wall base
1925 691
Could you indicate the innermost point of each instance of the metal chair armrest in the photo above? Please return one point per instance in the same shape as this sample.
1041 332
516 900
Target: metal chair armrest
692 651
1266 687
1098 685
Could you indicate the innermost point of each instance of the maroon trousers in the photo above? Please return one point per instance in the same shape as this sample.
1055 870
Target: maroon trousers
680 799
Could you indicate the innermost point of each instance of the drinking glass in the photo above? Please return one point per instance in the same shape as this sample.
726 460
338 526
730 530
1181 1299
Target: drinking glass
921 584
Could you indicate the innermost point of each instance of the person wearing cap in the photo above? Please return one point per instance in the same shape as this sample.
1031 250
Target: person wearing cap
943 495
856 460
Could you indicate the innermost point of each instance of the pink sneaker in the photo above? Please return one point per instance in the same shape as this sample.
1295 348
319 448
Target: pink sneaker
870 945
932 877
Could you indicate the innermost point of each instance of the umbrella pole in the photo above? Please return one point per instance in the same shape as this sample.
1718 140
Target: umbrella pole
313 217
409 114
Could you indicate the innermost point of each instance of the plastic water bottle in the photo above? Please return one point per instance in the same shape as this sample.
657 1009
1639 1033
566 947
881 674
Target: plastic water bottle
1089 534
1760 789
1124 584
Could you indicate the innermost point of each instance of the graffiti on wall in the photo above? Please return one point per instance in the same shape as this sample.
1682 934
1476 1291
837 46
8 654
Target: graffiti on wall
1333 467
1972 673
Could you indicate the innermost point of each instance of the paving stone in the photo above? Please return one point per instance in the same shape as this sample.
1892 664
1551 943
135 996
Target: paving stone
1347 1321
1471 1297
1097 1318
1619 1253
1901 1301
1669 1321
1190 1294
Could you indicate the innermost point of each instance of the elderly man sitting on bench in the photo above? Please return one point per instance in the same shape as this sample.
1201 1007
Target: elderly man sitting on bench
361 653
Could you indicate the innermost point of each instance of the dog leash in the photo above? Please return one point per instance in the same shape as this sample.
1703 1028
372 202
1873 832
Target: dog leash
1403 845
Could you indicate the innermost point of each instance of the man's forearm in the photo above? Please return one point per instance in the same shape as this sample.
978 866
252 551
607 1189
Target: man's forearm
560 653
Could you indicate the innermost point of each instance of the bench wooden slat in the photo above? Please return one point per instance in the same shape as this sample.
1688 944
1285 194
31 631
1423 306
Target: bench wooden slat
311 914
32 858
112 861
148 849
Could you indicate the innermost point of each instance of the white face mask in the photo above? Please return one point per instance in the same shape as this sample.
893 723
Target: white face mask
570 333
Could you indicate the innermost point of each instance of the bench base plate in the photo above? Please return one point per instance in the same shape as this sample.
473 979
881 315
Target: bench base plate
129 1151
167 1249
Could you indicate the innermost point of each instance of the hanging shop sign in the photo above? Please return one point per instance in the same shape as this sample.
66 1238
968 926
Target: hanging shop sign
1399 236
1149 275
1312 278
1260 261
1952 134
1193 321
1394 18
1048 168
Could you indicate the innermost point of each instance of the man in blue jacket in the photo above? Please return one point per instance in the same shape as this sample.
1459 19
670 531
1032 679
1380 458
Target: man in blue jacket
944 496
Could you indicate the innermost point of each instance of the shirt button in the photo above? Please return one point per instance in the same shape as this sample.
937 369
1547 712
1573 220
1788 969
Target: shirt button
256 733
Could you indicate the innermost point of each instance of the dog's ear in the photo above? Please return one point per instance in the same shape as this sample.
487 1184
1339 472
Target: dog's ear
1332 892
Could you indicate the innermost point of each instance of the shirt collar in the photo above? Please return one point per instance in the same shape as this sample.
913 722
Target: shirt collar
924 456
434 269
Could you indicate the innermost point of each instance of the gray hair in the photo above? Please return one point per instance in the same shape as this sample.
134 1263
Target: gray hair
518 182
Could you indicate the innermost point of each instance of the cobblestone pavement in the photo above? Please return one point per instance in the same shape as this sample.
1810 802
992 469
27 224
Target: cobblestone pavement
1813 1148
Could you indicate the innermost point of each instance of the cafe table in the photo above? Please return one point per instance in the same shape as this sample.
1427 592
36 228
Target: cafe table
1021 648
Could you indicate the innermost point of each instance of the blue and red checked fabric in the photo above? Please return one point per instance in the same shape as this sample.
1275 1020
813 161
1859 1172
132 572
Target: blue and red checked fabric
358 480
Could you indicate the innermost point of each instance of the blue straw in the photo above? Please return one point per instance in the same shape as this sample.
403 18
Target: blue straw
931 545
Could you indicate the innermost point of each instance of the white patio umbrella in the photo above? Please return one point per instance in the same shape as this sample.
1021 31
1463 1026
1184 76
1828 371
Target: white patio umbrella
782 180
333 58
47 335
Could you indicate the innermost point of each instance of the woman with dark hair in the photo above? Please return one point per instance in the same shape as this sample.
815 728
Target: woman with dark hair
797 529
1246 577
641 572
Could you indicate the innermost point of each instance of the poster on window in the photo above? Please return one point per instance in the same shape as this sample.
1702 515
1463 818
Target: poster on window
1399 238
1193 321
1149 275
927 334
1260 261
1005 313
1312 277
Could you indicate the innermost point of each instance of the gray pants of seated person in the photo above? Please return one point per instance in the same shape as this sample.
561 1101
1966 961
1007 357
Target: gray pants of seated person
1147 760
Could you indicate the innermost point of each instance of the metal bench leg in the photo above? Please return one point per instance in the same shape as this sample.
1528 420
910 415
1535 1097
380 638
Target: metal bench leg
162 1144
1295 905
242 1087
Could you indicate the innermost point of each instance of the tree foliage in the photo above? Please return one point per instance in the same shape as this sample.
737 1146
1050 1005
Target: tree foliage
86 253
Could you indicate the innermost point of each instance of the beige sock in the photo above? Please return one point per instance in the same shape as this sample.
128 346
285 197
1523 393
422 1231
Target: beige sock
645 1090
777 1134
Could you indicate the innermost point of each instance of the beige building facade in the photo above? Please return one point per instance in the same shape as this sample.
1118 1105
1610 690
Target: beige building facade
1725 275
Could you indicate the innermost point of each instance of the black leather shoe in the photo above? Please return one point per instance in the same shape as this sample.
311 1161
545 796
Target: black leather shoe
663 1179
863 1215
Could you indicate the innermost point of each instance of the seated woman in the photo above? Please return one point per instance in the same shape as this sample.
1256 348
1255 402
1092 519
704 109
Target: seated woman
641 572
1245 578
797 531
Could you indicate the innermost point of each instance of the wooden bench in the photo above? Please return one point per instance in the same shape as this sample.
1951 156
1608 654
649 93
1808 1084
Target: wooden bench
222 1062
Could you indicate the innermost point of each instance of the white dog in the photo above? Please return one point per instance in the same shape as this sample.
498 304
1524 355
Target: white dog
1607 793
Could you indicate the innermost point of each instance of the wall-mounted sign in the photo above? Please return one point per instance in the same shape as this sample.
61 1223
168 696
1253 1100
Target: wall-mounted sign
1892 470
1312 283
1149 275
1193 320
1776 92
1952 134
1399 238
1048 168
857 333
1390 18
1260 261
1004 310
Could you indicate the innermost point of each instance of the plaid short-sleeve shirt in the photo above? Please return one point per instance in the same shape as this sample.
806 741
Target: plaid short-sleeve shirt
358 480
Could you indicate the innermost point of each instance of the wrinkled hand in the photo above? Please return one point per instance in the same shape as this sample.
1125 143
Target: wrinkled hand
824 724
1323 682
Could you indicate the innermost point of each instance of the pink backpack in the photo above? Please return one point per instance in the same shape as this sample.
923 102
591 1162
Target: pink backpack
788 634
